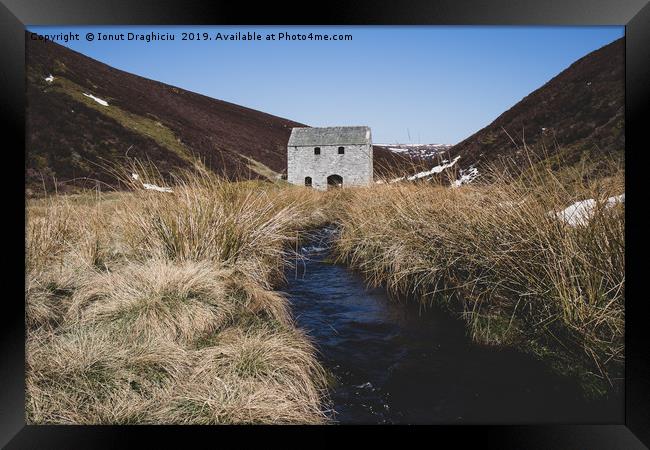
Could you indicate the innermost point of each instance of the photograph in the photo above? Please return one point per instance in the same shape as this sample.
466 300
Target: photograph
324 224
240 222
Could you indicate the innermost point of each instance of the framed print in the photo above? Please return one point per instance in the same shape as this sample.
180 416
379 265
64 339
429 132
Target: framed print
408 215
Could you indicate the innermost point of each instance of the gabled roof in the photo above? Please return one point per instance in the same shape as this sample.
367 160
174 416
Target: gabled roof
329 136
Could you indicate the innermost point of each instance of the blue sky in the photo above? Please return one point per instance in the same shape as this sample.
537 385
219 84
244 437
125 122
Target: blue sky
433 84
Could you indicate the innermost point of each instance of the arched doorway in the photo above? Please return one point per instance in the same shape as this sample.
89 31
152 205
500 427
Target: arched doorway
334 181
308 181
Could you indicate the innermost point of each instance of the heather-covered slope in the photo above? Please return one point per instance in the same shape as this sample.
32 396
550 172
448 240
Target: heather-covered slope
69 133
580 111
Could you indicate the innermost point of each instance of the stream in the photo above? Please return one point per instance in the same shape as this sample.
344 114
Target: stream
396 363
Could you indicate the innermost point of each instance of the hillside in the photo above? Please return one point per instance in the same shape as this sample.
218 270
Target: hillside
579 112
70 135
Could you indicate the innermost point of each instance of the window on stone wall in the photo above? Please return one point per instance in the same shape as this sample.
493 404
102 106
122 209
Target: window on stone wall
308 181
316 150
341 150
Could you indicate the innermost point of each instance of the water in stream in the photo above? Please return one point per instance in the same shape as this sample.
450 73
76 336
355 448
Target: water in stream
397 364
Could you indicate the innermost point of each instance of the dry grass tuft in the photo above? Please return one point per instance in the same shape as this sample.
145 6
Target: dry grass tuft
176 301
274 373
91 375
150 307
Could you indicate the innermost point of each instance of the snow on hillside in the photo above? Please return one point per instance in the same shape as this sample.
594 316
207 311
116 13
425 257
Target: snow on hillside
466 176
152 187
97 99
579 213
417 150
428 173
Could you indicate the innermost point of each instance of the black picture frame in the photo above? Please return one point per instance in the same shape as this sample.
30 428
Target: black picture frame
634 14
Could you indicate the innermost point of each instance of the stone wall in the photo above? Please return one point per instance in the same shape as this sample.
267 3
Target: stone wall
355 165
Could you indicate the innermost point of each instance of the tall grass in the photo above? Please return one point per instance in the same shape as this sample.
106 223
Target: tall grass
152 307
494 254
158 307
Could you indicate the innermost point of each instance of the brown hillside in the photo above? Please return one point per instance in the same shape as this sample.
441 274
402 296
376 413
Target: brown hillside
68 134
580 111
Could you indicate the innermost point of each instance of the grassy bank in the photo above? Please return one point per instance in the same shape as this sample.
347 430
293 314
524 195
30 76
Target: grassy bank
157 307
496 254
150 307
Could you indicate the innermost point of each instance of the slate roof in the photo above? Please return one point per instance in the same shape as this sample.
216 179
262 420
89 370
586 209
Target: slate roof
329 136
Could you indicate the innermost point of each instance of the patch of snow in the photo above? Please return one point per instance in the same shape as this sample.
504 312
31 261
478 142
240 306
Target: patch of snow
434 170
428 173
153 187
578 213
424 151
614 200
135 176
582 211
49 78
98 100
466 176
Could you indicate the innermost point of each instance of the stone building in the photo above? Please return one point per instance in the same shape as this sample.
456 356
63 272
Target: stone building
330 156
